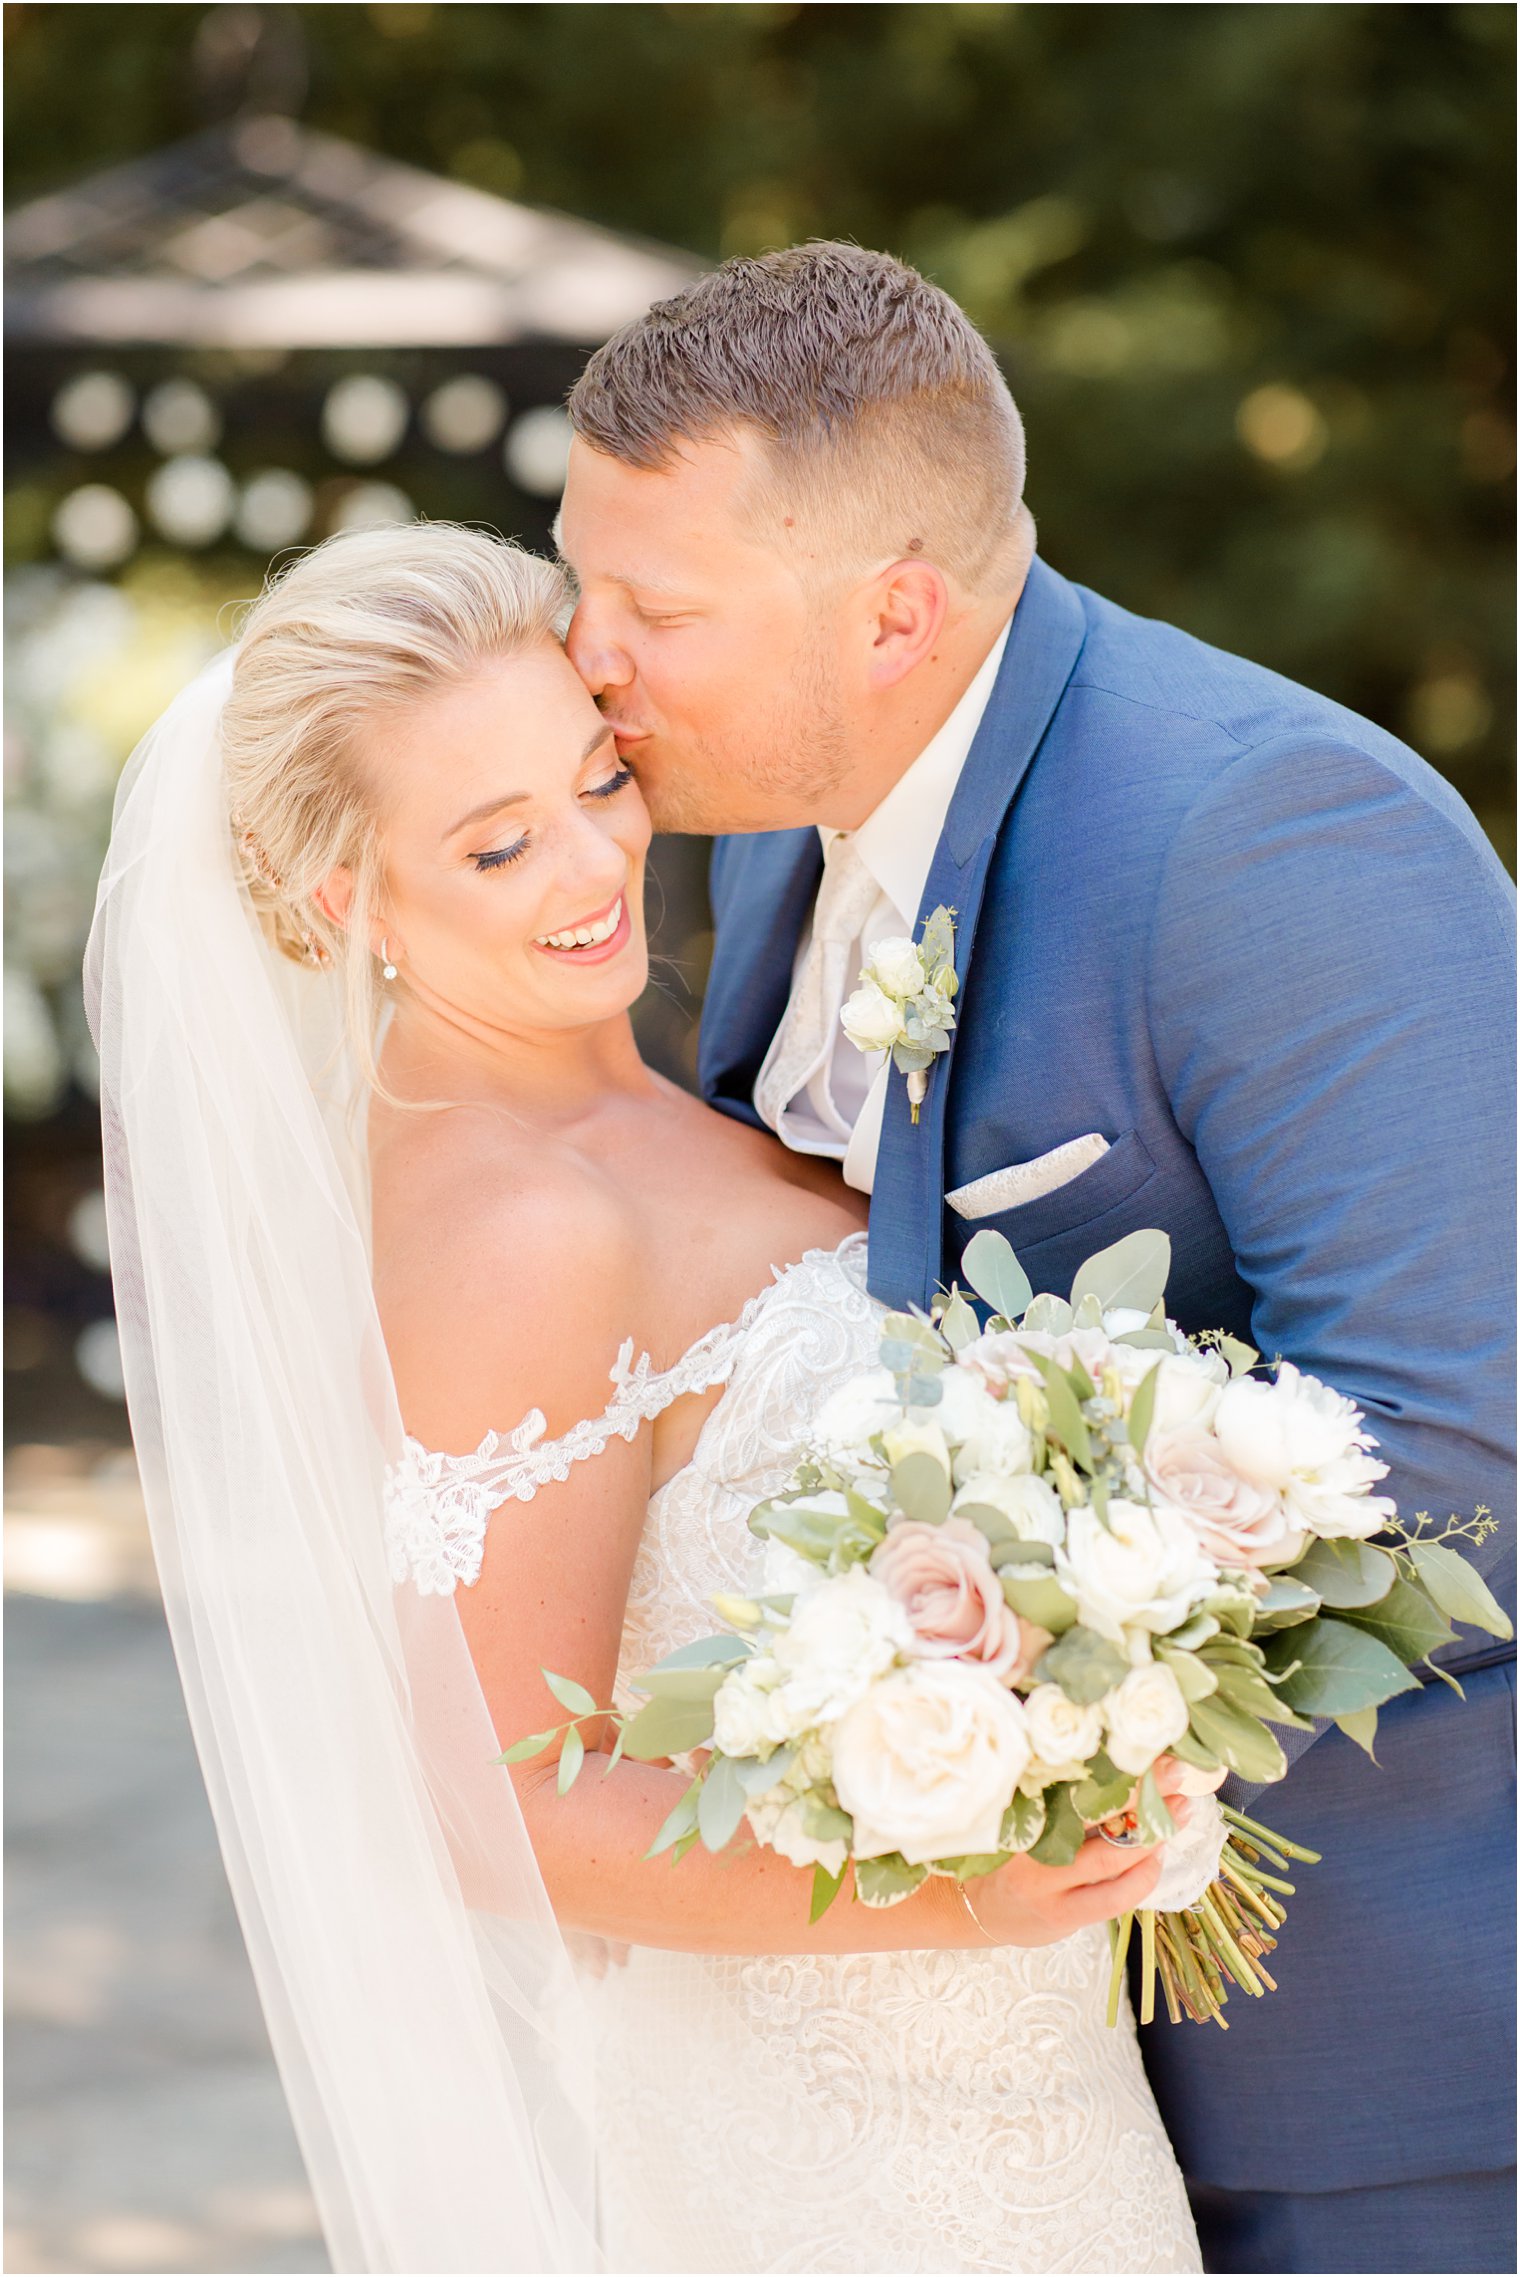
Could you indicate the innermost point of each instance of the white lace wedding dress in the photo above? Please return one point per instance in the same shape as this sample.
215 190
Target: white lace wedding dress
873 2111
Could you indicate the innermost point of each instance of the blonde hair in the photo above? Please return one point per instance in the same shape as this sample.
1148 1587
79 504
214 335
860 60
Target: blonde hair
364 624
887 427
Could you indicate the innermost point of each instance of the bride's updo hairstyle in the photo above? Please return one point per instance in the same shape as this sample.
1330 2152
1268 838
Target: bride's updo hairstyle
365 624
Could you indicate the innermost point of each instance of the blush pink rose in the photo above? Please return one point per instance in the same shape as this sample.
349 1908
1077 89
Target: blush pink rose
943 1579
1237 1522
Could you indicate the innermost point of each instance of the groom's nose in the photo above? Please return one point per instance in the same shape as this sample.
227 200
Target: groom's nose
601 661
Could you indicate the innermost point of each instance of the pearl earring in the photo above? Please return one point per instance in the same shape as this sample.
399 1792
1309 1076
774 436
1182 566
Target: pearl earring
387 969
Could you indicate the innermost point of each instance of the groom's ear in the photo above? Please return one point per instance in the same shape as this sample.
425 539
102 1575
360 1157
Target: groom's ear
906 607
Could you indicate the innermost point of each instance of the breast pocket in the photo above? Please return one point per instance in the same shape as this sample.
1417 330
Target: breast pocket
1056 1232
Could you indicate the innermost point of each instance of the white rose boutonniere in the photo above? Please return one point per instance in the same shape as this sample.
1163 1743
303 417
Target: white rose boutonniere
904 1002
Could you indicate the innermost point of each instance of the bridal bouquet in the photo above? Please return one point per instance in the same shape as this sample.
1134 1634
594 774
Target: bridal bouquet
1026 1573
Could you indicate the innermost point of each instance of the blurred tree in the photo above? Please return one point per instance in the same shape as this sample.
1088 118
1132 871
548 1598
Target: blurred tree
1249 266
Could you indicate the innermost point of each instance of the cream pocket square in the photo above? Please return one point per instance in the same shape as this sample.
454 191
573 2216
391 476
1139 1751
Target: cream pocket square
1026 1181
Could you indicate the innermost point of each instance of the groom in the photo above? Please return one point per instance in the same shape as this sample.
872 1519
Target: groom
1234 963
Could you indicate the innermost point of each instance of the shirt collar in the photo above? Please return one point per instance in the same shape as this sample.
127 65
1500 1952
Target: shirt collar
896 841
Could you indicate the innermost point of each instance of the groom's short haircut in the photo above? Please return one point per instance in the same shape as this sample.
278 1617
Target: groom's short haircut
888 427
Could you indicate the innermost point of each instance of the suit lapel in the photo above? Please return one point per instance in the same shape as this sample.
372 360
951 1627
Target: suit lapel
907 1204
766 891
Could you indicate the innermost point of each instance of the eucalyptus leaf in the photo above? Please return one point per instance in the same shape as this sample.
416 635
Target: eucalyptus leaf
885 1881
757 1778
570 1695
704 1652
1239 1358
571 1756
1237 1740
1051 1315
1156 1821
1345 1574
1063 1834
1084 1664
1015 1553
992 1524
1132 1273
681 1683
1149 1339
921 1488
959 1325
680 1847
1023 1823
1361 1725
720 1806
668 1727
1089 1312
1459 1589
1341 1668
682 1821
995 1273
1039 1597
521 1750
1406 1621
921 1390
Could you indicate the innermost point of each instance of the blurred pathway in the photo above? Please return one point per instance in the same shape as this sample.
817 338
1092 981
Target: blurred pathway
145 2128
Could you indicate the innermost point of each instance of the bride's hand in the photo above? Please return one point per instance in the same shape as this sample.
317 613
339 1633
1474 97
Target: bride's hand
1028 1904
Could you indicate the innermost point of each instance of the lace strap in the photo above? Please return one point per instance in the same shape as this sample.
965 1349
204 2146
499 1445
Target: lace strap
437 1507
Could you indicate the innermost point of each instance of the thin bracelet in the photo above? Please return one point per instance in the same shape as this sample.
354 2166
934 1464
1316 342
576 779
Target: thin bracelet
971 1909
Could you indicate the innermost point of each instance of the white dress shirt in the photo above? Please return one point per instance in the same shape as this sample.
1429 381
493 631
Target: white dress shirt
897 843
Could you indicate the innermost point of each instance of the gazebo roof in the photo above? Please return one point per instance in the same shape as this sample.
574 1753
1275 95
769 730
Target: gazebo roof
264 234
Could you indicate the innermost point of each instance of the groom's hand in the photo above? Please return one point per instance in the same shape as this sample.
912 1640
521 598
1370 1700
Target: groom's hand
1027 1904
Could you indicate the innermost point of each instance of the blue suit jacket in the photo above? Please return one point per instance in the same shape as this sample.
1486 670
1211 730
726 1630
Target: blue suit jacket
1266 952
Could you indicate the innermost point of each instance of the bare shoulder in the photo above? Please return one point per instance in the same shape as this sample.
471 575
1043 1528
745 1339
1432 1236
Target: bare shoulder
505 1273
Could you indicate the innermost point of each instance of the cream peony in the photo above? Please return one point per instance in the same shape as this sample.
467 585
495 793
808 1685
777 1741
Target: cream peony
1144 1569
1187 1391
841 1636
1143 1715
1237 1522
1060 1731
1031 1505
897 968
871 1018
927 1762
942 1577
1307 1441
916 1438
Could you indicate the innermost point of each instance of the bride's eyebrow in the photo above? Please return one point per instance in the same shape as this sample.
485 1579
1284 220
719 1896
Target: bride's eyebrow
484 812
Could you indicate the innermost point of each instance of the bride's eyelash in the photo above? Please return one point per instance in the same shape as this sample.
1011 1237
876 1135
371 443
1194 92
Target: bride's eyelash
501 855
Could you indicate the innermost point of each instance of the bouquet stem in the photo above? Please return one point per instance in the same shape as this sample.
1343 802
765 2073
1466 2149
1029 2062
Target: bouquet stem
1221 1941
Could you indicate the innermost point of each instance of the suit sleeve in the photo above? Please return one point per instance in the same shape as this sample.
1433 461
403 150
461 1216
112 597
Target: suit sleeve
1330 981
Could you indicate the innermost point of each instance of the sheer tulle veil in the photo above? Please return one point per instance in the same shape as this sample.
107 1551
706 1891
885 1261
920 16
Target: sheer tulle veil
419 1996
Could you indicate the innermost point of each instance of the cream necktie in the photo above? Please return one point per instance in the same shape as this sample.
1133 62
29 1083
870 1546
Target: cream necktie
809 1027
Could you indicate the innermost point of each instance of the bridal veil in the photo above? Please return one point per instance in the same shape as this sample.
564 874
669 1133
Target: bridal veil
421 2003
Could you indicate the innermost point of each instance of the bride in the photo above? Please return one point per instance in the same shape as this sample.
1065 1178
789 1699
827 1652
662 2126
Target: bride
459 1346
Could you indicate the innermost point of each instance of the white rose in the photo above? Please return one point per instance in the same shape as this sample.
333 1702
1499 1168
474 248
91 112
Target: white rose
1291 1428
928 1761
841 1637
871 1019
1031 1505
1144 1715
745 1720
850 1417
1143 1569
1187 1391
1060 1731
904 1439
897 968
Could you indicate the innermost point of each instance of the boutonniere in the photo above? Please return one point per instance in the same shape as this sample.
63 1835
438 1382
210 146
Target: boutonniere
903 1002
